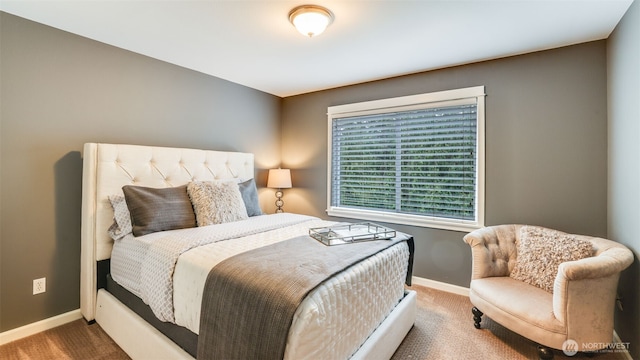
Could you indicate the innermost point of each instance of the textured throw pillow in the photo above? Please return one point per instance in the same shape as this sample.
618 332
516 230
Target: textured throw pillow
250 197
540 253
121 218
216 202
154 210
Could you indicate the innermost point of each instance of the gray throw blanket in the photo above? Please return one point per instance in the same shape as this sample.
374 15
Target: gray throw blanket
249 300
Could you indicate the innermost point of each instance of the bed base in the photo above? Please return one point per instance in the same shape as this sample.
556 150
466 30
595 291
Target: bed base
142 341
386 338
134 335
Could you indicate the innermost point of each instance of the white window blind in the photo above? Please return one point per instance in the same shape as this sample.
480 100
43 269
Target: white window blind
410 163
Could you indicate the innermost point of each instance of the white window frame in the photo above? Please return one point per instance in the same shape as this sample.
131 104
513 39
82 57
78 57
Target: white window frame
405 103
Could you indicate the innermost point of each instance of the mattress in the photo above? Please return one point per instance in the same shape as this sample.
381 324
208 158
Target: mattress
351 304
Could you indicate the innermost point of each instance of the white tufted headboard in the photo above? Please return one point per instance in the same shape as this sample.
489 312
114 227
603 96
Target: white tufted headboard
108 167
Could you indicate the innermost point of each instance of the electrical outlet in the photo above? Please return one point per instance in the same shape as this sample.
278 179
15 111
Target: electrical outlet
39 286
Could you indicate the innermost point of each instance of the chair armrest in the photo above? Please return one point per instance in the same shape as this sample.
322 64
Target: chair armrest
593 279
493 250
607 263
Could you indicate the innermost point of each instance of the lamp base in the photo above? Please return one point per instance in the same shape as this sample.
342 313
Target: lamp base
279 203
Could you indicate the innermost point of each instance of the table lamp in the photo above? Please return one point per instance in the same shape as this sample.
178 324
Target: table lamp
279 179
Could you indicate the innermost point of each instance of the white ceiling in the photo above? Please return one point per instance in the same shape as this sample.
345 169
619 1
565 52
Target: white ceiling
251 42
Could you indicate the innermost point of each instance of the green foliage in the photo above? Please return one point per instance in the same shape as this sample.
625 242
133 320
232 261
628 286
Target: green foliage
418 162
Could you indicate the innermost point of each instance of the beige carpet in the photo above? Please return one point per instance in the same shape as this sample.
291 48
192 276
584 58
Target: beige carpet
443 330
75 340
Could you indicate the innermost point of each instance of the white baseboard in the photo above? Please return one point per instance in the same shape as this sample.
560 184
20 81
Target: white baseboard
438 285
36 327
616 339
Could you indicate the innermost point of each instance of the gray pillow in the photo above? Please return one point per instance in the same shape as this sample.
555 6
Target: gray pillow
154 210
249 194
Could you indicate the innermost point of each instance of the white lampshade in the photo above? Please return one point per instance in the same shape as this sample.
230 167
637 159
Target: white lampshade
279 179
310 20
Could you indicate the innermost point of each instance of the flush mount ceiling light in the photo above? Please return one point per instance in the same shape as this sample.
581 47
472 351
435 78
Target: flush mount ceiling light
310 20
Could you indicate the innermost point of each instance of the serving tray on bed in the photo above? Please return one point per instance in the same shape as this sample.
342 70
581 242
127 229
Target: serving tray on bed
350 233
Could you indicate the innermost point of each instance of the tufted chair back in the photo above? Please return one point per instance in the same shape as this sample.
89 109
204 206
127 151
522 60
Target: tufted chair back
494 250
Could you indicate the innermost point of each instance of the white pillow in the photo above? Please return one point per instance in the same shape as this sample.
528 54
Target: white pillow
542 250
121 218
216 202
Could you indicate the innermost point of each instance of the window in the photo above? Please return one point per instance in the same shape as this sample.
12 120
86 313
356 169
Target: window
415 160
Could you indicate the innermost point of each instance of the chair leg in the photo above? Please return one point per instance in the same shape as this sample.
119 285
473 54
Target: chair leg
545 353
477 317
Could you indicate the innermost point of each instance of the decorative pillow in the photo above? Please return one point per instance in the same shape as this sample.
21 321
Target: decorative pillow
540 253
121 218
249 194
154 210
216 202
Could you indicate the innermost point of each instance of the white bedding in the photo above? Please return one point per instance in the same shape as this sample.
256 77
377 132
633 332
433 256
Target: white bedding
194 266
145 265
375 284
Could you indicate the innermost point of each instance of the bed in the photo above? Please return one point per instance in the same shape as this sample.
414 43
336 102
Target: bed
362 311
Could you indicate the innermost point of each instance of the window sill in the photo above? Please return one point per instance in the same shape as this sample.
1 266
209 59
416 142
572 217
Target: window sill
406 219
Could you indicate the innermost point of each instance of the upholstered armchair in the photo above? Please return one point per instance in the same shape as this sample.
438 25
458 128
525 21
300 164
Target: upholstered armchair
578 301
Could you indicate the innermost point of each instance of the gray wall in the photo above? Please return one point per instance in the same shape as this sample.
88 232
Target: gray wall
624 163
546 146
59 91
